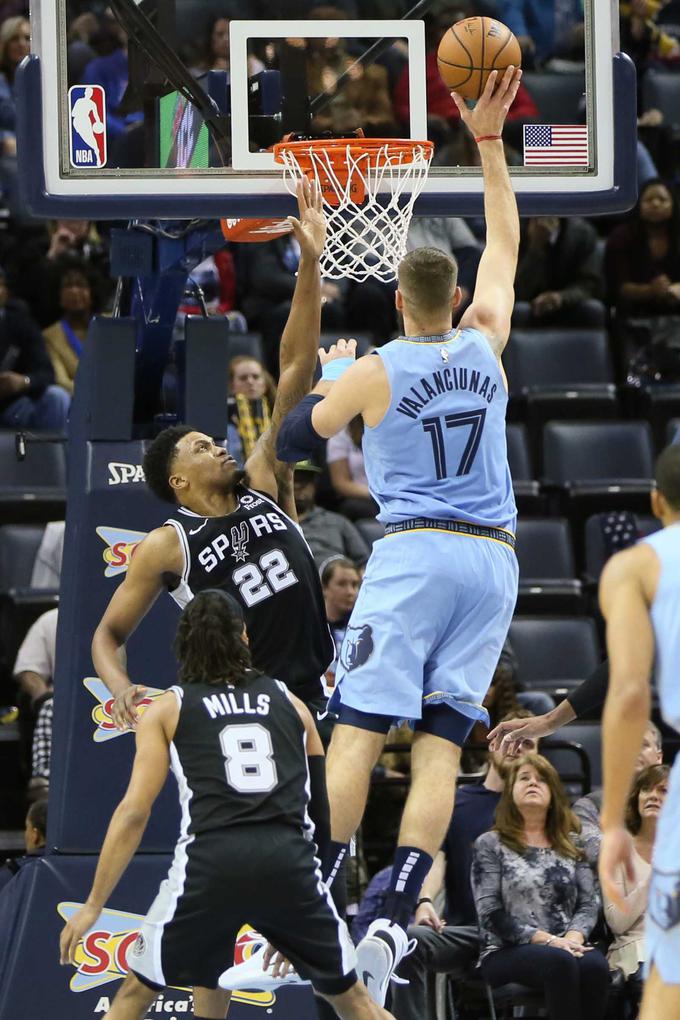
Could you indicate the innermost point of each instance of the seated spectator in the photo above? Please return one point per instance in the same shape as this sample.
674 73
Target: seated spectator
559 277
340 580
642 38
109 68
213 52
588 808
328 535
362 100
15 44
267 277
627 951
65 338
372 903
642 256
536 897
35 837
252 392
34 676
38 265
348 475
451 946
28 398
545 30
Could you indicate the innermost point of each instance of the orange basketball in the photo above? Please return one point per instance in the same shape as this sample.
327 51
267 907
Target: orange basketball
471 49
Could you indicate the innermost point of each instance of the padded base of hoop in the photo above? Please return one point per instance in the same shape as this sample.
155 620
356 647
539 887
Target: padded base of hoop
253 230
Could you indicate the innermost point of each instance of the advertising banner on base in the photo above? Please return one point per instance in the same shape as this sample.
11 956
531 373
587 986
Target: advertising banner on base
32 982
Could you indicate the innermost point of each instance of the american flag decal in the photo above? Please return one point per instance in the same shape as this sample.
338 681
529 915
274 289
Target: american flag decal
556 145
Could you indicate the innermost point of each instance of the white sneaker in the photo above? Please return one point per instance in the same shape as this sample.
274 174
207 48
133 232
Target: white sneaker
249 975
379 953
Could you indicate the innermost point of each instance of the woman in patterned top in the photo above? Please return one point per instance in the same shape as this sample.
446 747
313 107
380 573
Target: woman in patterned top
536 897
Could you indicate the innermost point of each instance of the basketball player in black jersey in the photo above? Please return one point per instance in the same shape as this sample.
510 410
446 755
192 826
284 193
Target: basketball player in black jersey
227 530
236 741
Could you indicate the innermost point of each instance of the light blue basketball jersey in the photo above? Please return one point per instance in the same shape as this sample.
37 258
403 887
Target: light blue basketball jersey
440 451
666 621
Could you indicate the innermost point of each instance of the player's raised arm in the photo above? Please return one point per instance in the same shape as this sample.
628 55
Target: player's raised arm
624 602
494 296
152 760
300 339
159 553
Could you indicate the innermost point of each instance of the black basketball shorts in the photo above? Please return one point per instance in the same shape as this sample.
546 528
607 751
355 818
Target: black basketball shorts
264 875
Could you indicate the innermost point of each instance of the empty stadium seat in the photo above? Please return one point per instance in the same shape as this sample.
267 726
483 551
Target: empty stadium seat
19 603
33 489
554 653
245 344
559 373
659 404
547 575
370 529
603 465
589 736
596 551
567 358
557 96
526 488
673 431
661 91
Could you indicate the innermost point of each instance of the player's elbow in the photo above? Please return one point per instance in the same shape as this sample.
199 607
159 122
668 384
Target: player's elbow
629 693
133 814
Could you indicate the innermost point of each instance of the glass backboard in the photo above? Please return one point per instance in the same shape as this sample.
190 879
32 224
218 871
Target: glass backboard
176 110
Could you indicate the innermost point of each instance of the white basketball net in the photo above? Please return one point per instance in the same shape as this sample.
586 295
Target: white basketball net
368 238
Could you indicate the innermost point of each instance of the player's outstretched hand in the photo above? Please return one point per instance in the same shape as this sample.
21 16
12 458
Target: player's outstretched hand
616 854
310 229
489 113
341 349
508 736
73 932
124 712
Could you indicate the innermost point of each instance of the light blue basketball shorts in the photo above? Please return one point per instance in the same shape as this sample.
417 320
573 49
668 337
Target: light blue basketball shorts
662 928
428 626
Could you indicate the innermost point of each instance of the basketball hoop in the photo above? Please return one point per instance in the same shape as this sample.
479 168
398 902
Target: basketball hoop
369 187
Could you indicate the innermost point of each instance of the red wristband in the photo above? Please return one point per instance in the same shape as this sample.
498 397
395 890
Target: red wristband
488 138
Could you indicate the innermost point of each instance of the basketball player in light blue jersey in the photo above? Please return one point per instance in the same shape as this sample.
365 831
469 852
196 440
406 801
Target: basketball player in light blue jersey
439 592
640 600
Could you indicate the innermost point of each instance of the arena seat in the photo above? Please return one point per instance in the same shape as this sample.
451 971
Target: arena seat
554 653
559 374
673 431
370 529
245 345
526 488
20 604
660 404
547 575
596 554
33 489
599 465
567 358
589 736
557 96
661 91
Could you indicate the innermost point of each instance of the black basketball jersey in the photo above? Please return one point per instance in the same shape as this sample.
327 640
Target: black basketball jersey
238 756
260 556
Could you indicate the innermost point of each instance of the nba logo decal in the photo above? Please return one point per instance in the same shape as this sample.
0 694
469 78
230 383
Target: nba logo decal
87 126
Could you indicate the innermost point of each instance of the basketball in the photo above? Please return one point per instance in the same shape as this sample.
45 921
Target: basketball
471 49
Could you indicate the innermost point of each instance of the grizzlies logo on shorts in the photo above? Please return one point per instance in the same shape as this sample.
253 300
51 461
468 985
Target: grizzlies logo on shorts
664 899
357 647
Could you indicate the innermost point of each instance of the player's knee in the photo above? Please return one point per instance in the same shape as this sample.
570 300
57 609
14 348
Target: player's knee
135 991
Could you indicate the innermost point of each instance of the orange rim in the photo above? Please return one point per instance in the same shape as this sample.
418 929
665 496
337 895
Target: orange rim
337 149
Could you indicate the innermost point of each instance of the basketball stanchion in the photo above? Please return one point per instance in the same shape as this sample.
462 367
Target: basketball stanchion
369 187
